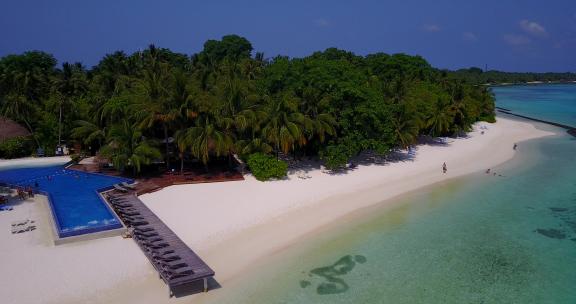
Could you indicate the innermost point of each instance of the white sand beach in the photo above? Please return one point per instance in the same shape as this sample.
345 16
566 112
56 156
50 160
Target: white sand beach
230 225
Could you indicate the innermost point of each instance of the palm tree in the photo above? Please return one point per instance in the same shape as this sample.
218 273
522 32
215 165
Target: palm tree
207 135
127 147
70 83
406 124
152 103
284 125
89 132
440 119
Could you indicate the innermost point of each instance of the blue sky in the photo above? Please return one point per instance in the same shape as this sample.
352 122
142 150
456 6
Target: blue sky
507 35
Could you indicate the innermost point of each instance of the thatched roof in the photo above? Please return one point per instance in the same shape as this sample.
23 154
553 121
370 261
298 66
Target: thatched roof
10 129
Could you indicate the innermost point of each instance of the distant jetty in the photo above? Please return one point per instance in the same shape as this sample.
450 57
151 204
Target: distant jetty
571 130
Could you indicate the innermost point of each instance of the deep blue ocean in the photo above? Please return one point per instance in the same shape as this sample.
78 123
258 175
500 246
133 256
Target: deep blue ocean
476 239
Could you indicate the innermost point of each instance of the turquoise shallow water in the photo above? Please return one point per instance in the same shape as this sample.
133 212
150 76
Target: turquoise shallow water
478 239
555 102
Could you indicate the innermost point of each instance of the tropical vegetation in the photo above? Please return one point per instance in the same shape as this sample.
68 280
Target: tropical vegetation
158 106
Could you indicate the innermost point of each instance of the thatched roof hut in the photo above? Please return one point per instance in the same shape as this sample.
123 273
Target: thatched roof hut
10 129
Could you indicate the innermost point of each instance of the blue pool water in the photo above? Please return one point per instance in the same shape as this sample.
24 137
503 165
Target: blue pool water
76 206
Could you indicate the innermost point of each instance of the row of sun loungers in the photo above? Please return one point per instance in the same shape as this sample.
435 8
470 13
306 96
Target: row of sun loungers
176 263
23 226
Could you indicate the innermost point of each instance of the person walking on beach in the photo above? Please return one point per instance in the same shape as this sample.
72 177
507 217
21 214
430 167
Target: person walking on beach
515 146
444 168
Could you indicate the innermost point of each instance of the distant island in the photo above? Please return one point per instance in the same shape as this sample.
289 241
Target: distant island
476 75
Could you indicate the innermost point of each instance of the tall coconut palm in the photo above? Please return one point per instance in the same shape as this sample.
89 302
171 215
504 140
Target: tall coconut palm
284 125
406 124
126 147
440 119
69 83
151 98
89 132
208 134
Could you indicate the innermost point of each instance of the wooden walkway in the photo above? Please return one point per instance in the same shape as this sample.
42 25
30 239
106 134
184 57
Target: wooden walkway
178 266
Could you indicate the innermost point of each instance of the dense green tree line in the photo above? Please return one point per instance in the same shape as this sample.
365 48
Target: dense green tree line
478 76
224 101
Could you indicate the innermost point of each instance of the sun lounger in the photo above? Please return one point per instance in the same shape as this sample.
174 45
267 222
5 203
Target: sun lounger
149 239
144 229
23 228
172 265
133 218
146 234
129 212
138 223
178 273
166 258
157 245
122 205
162 252
128 186
117 187
22 222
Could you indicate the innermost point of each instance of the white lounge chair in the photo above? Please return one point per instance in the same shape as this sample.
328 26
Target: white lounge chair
117 187
129 186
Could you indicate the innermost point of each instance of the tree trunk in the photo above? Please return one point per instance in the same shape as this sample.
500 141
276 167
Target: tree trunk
60 126
181 163
32 133
166 145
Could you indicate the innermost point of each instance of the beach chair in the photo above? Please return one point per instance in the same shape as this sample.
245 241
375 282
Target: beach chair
144 229
23 228
166 258
146 234
172 265
178 273
129 186
128 212
149 239
162 252
22 222
157 245
117 187
138 223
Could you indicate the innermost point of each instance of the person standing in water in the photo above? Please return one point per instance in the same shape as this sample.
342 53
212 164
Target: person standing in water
444 168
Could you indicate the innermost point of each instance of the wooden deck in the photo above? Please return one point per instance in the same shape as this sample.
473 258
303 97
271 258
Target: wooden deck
195 281
155 182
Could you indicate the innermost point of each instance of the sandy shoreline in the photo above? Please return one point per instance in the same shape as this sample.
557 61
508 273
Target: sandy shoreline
232 225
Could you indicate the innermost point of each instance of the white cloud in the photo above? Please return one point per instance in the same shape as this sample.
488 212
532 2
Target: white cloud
533 28
322 22
432 28
516 40
469 36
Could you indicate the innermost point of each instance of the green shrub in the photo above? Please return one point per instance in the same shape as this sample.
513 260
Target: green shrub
16 147
335 157
76 158
265 167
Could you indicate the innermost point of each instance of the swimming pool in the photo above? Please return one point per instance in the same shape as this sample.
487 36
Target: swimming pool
76 206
